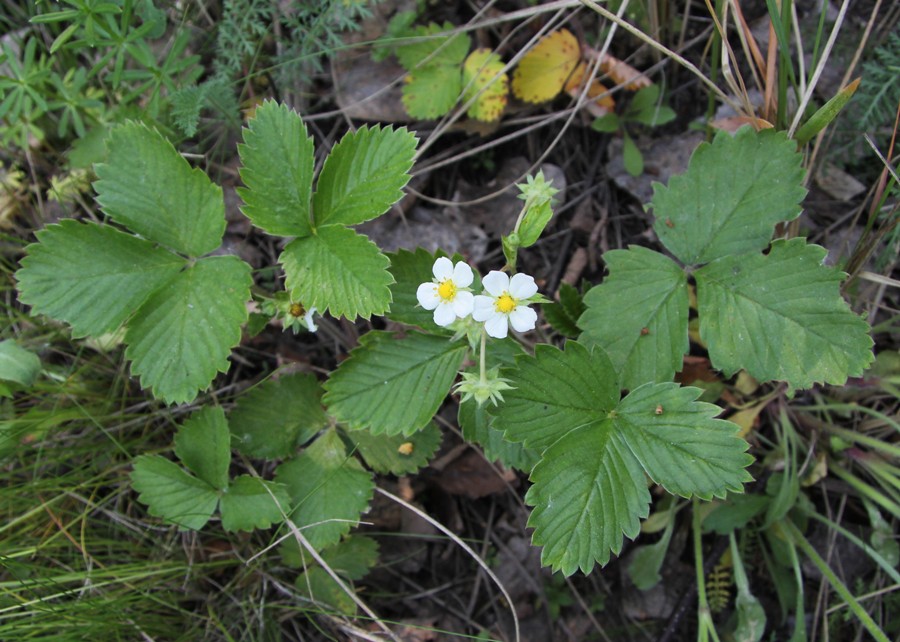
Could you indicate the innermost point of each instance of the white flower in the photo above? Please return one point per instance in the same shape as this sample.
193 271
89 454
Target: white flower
448 294
308 318
504 306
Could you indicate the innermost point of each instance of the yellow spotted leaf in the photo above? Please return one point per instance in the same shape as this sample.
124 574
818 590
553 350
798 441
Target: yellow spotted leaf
596 91
483 78
542 73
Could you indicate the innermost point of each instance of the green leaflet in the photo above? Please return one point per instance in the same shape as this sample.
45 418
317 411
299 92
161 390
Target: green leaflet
363 175
397 454
477 426
409 269
339 271
431 92
589 487
92 276
18 365
391 385
732 194
639 314
184 332
277 416
203 444
328 489
172 493
432 48
563 316
781 316
148 186
250 503
277 157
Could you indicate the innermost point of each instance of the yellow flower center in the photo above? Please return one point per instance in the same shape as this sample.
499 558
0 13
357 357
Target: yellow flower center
447 290
505 303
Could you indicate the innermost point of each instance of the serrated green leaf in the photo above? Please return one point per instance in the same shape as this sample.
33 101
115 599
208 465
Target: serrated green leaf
734 513
431 91
363 175
680 444
277 157
173 494
203 444
409 269
733 193
477 426
588 492
556 392
182 336
781 316
397 454
328 489
434 49
392 385
563 315
92 276
277 416
251 503
317 585
339 271
639 315
148 186
17 364
354 557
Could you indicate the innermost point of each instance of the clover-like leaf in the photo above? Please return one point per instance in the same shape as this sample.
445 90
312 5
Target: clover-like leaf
146 185
184 332
339 271
277 416
733 193
781 316
172 493
250 503
484 80
392 385
639 314
363 175
397 454
329 490
203 444
92 276
543 71
277 157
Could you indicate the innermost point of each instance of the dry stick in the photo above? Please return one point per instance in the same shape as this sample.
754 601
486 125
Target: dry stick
826 53
736 83
459 542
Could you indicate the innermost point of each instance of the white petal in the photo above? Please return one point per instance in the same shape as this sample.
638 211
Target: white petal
522 286
463 304
443 268
310 324
428 296
496 283
496 326
462 275
483 307
522 319
444 314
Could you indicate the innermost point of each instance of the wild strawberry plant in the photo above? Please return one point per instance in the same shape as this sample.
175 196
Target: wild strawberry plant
557 412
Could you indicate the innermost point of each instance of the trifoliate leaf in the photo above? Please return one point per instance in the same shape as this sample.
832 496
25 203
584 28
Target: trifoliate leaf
18 365
339 271
409 269
483 77
733 193
92 276
277 416
430 92
182 336
328 489
203 444
781 316
639 314
397 454
250 503
543 71
277 157
363 175
563 316
433 49
589 487
392 385
477 426
680 444
148 186
556 391
173 494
